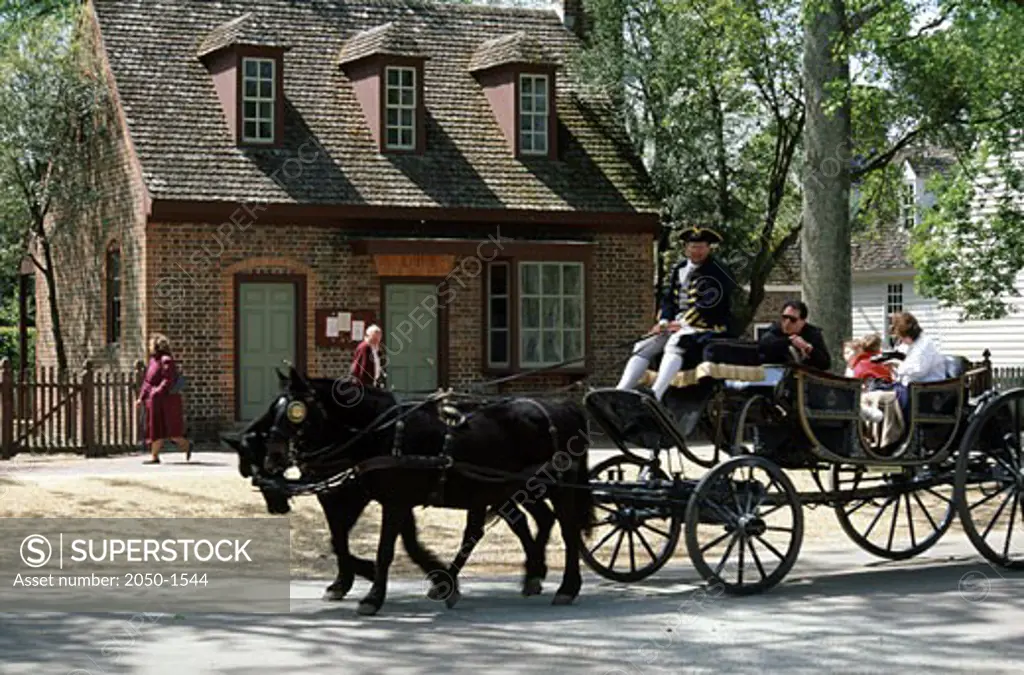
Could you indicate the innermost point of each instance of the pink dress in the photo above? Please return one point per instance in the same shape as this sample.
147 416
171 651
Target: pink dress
163 409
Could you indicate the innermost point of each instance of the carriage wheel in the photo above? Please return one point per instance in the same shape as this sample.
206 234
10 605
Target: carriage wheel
898 526
632 539
990 481
745 439
744 525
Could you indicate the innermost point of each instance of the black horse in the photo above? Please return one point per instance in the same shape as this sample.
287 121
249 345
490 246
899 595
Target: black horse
342 507
514 452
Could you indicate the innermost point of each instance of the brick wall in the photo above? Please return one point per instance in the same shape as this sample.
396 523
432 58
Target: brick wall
191 300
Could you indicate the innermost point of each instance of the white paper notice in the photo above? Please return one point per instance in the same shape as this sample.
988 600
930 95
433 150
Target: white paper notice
357 330
332 326
344 321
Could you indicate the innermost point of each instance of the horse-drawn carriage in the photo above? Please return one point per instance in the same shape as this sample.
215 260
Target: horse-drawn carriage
960 452
743 521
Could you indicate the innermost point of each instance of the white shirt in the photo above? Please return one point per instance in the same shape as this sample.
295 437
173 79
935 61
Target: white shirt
924 362
376 363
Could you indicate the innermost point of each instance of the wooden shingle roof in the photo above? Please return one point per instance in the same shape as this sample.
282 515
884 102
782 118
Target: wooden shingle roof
518 47
329 156
246 29
389 38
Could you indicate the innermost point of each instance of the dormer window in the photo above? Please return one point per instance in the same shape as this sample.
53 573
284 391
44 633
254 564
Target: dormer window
258 97
401 108
385 67
245 60
533 114
908 205
517 74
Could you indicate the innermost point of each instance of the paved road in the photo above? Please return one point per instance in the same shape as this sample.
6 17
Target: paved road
945 612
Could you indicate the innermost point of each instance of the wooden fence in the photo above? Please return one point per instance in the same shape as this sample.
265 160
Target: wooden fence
90 411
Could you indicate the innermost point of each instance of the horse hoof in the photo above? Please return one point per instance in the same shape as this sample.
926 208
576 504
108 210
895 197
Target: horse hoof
441 591
532 586
562 599
334 594
452 599
367 609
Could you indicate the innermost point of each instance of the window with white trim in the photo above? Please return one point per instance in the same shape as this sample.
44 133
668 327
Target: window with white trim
760 329
550 313
908 205
533 114
400 107
498 330
893 301
258 98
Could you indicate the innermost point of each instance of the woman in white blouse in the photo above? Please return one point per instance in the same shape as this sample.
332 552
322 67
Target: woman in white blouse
922 360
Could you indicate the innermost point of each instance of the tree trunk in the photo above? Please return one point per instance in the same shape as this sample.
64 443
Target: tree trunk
825 240
51 293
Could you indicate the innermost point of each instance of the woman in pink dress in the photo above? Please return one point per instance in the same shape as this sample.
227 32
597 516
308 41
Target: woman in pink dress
164 414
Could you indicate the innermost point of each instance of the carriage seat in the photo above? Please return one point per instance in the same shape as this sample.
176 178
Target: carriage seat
956 366
773 374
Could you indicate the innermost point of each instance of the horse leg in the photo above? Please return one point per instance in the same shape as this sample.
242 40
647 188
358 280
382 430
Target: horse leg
574 511
536 566
390 527
443 585
341 509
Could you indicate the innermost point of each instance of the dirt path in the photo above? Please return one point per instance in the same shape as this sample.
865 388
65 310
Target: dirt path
210 486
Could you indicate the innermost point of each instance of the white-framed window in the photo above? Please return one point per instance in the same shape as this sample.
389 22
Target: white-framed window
893 302
258 98
400 108
533 114
499 341
760 329
908 205
551 317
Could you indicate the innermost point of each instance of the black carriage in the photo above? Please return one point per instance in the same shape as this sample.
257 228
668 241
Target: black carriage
958 453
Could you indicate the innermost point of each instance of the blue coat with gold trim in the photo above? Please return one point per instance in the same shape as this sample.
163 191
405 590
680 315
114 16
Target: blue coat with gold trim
706 301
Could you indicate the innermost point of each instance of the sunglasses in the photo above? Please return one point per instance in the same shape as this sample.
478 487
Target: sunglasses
790 317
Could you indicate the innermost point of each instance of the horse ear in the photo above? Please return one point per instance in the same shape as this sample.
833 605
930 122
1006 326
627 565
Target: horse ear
281 377
233 443
298 383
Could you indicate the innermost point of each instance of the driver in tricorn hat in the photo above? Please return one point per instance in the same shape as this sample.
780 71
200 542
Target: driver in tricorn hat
695 309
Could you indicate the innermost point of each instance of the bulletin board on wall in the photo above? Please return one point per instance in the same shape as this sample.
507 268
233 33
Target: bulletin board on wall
342 328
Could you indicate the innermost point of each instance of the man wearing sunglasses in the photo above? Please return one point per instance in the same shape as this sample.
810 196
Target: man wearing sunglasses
793 339
695 309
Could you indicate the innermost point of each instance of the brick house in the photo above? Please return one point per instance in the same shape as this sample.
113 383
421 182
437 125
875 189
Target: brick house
279 172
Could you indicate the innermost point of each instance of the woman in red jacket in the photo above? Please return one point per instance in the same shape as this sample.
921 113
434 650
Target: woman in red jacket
164 415
860 363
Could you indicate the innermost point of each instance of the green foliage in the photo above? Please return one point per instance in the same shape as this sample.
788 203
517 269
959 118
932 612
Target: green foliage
711 95
9 346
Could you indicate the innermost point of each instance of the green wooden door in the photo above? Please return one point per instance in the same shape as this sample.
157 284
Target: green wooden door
410 337
266 317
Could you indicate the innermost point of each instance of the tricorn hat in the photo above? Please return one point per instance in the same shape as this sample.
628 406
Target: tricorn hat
705 234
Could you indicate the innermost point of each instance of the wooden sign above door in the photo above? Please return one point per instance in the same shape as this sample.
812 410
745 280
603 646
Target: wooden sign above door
414 265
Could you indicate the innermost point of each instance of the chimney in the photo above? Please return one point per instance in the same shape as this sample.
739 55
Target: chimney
571 12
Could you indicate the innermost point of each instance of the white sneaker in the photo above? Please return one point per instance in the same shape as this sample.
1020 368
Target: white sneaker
872 415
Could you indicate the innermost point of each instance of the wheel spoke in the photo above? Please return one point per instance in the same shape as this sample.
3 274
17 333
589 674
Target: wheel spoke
743 548
991 496
721 563
892 529
863 503
615 553
910 520
632 553
656 530
996 517
775 528
771 548
757 560
877 517
936 494
650 551
716 541
605 539
925 509
1009 530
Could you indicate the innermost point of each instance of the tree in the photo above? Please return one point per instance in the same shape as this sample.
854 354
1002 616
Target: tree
945 73
49 100
710 92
